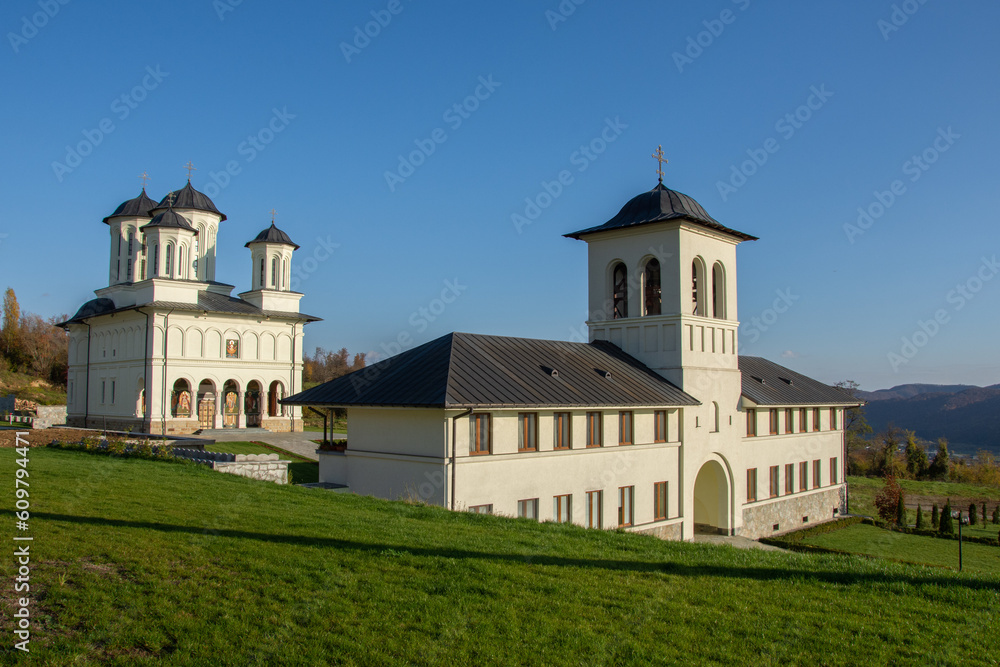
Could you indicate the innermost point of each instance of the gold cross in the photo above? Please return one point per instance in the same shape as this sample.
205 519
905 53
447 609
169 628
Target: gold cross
145 179
272 215
658 156
170 199
190 167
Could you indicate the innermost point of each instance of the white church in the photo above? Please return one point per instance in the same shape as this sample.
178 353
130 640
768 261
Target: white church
167 349
657 425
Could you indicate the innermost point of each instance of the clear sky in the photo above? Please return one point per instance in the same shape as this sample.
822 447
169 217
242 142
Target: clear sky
831 103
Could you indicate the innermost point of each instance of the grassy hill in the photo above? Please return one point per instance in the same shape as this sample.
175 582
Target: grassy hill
141 562
31 388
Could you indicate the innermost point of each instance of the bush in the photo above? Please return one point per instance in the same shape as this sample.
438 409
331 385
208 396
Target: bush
935 517
920 519
901 511
947 526
972 514
996 515
889 499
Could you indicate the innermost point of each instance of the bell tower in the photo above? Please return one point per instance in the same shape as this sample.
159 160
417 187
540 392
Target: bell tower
271 271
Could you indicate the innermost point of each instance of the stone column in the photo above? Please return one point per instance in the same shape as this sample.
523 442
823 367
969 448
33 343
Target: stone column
242 419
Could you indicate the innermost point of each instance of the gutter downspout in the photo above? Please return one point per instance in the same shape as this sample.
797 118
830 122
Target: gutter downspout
291 392
147 380
163 397
454 447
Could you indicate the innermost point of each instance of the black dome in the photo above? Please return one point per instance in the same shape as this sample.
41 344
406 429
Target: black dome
188 197
659 204
94 307
272 235
169 218
134 208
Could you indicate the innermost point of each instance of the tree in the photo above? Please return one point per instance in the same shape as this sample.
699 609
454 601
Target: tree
889 499
901 510
972 514
10 335
920 519
886 446
916 456
984 513
996 515
938 469
935 517
947 527
856 427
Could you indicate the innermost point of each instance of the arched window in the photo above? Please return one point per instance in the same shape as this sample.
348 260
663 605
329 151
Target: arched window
697 287
262 283
620 291
719 291
131 236
168 268
118 272
156 259
284 273
715 421
651 279
274 272
181 269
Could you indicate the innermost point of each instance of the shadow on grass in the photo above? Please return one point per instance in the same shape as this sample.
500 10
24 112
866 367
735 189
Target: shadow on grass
676 569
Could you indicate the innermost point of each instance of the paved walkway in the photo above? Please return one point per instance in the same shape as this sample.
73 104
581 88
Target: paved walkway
737 542
298 443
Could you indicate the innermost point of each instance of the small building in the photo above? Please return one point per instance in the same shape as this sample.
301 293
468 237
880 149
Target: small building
165 348
656 425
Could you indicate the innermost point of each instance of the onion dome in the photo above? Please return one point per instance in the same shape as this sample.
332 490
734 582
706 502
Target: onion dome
93 308
272 235
658 205
169 218
139 207
188 197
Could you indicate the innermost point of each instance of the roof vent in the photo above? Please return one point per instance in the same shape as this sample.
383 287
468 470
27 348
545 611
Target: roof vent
554 373
788 382
607 375
761 380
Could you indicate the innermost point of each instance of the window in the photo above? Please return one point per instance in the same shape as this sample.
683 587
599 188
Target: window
142 270
803 420
595 436
595 509
625 428
528 509
195 262
561 430
481 509
620 291
284 273
112 392
775 473
751 422
789 420
660 501
815 419
660 426
102 391
168 267
652 280
803 476
816 474
719 291
696 282
274 272
773 416
156 259
833 461
833 419
789 478
262 273
480 443
715 422
527 432
625 495
751 485
562 508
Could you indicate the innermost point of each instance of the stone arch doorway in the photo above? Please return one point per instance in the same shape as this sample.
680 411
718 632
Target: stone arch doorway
206 404
253 404
275 393
713 500
230 404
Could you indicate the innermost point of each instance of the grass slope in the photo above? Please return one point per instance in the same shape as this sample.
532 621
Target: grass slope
31 388
141 562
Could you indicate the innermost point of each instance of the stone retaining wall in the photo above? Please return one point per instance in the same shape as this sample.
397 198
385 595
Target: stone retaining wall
49 415
265 467
668 532
793 512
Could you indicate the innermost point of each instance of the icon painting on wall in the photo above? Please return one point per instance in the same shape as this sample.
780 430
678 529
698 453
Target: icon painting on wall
232 349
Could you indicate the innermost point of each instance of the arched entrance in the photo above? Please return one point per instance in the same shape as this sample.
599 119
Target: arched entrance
275 393
206 404
231 404
252 407
180 399
712 500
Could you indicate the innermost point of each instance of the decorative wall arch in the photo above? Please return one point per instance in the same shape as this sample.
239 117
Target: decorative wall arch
698 287
194 345
719 291
712 497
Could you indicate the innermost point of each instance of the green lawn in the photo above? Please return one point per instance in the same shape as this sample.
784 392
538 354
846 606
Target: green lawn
300 470
873 541
144 562
863 489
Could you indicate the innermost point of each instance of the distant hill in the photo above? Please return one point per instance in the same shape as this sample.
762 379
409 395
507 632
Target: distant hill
968 416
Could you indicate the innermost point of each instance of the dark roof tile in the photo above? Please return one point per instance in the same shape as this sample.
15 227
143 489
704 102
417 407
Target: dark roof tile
767 383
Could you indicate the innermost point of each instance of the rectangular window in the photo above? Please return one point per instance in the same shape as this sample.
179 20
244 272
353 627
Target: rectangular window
789 420
112 392
660 426
625 428
528 509
595 437
751 485
562 508
833 470
595 509
660 501
816 474
815 419
527 431
561 430
751 422
773 416
102 391
480 443
789 479
803 419
625 496
481 509
775 474
804 476
833 419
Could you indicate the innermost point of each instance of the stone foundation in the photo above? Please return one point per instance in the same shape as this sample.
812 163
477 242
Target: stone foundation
263 467
793 512
49 415
671 531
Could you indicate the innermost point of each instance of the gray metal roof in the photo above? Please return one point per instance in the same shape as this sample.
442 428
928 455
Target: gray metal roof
767 383
169 218
134 208
272 235
463 370
658 205
188 197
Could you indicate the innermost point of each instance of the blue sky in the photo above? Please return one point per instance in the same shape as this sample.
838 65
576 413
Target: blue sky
833 100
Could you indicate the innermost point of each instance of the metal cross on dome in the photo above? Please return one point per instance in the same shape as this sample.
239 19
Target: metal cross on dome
145 179
660 160
190 167
272 212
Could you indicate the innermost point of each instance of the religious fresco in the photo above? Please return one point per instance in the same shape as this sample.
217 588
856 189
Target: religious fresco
182 404
232 348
